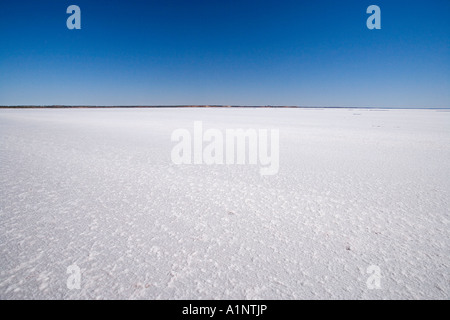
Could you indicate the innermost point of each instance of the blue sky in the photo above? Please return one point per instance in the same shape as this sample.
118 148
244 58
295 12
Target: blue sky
242 52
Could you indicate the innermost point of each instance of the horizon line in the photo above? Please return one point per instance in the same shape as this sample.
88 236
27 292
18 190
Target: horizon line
204 106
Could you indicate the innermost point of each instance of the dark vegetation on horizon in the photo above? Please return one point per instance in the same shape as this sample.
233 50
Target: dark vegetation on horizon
198 106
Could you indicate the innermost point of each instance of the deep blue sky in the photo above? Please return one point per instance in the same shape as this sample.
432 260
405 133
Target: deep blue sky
239 52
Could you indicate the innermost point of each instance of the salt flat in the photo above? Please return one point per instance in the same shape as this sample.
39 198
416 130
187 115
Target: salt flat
97 189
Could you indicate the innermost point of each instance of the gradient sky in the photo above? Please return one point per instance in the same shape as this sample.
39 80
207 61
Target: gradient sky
234 52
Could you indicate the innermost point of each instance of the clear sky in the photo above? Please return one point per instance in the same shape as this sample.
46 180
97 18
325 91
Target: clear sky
231 52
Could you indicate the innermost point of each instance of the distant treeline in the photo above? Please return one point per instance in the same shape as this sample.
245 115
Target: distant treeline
202 106
173 106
